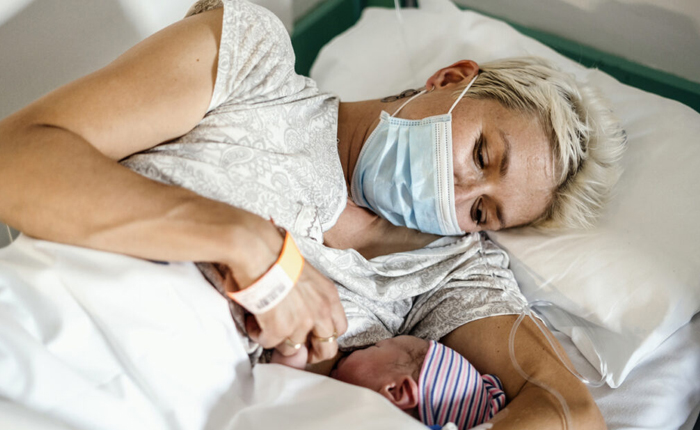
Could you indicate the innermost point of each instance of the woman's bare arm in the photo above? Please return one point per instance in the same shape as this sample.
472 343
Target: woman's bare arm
61 180
58 154
485 344
58 158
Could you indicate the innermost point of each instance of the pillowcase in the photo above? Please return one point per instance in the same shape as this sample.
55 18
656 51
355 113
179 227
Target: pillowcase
631 281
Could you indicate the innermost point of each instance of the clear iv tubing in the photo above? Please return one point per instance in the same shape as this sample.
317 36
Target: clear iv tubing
9 233
548 336
397 7
399 17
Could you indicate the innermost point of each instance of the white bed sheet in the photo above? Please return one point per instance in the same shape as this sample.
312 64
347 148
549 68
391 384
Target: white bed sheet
661 393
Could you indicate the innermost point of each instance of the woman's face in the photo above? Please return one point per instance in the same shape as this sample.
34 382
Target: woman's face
503 164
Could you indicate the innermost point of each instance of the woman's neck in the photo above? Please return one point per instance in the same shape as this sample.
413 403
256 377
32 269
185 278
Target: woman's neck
356 120
372 236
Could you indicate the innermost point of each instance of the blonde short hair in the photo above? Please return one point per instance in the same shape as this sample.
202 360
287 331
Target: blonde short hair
587 140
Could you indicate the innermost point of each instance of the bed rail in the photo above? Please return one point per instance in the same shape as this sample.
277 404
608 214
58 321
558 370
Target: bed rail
332 17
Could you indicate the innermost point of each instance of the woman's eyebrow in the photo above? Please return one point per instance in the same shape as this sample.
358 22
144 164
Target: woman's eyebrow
505 158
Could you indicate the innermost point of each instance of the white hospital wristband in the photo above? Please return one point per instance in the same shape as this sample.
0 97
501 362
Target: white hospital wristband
265 293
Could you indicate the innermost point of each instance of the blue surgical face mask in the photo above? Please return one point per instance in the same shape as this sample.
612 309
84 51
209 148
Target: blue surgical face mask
404 172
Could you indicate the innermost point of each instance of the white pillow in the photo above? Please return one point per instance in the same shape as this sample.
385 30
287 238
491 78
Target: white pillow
636 276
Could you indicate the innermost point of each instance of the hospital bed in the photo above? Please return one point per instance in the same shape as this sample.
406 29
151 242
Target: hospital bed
160 354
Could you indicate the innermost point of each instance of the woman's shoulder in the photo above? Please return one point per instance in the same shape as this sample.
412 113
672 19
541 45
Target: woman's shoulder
203 6
256 57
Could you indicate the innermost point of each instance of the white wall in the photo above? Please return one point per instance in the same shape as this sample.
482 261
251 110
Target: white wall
47 43
663 34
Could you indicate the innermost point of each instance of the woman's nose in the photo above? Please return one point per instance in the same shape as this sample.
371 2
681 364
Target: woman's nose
466 192
470 187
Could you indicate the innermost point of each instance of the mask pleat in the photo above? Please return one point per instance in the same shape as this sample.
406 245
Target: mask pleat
424 188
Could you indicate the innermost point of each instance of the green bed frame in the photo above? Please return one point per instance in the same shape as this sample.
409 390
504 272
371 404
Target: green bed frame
332 17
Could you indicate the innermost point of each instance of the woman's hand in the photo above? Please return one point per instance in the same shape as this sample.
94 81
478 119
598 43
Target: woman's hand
309 315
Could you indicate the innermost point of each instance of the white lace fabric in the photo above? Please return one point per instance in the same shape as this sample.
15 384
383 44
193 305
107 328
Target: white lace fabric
269 141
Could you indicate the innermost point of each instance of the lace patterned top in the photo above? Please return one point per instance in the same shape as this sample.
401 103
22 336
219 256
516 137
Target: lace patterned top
268 143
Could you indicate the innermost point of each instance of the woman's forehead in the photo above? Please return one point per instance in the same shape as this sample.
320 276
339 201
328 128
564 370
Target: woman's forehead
524 191
527 189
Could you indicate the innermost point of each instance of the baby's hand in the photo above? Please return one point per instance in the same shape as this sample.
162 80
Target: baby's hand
297 360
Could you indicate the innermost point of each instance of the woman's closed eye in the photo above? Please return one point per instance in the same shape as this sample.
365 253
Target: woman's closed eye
478 212
480 156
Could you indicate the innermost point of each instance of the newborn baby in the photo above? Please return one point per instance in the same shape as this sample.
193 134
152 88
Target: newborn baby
426 379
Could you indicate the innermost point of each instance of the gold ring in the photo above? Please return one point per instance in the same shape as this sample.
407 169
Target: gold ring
293 345
330 338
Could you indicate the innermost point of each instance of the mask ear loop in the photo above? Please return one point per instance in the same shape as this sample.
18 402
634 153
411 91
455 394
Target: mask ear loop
407 102
464 91
511 344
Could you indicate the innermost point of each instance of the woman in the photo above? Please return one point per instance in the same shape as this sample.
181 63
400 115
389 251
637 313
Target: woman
256 142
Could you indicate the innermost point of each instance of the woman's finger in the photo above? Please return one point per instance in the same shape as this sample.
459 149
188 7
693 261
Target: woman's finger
321 297
324 345
297 339
252 327
331 306
297 360
280 323
290 346
340 320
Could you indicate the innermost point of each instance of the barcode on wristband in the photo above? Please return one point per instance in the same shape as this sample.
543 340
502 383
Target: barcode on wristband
272 297
266 293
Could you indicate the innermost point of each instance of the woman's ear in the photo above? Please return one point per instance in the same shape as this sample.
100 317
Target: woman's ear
454 74
402 392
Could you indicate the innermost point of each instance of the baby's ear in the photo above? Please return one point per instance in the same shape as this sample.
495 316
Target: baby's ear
402 392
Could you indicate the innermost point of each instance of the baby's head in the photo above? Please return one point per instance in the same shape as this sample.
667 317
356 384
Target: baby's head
426 379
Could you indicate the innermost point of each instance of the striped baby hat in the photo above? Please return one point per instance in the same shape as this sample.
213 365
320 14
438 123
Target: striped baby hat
452 391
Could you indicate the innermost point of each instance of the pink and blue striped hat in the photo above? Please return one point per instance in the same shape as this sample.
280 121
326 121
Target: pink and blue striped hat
452 390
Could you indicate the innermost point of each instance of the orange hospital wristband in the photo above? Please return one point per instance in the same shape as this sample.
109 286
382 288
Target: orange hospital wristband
273 286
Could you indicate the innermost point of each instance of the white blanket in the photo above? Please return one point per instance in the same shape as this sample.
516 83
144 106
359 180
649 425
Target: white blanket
94 340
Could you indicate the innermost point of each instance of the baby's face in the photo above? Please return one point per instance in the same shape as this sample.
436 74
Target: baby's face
372 366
